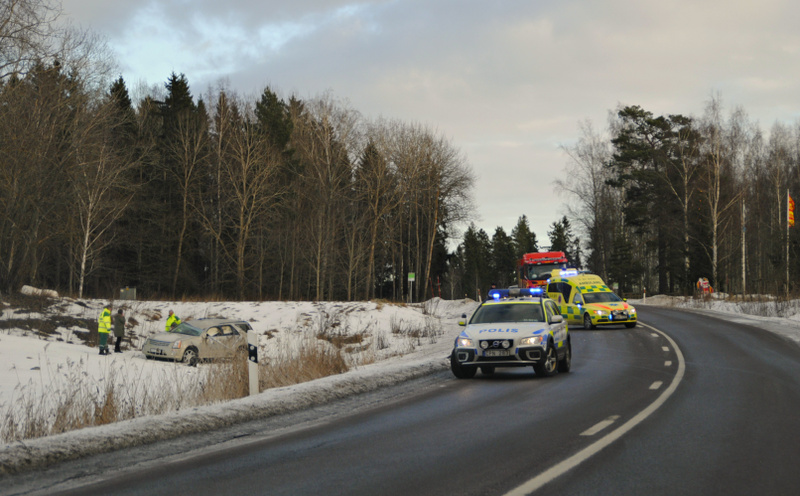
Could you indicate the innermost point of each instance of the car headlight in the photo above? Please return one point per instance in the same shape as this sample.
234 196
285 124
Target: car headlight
600 312
176 345
531 341
631 311
464 343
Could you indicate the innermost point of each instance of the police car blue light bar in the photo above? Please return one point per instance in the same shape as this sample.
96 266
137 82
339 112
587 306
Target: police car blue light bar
496 294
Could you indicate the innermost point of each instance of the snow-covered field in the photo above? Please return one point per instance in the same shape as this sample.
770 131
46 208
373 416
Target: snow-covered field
33 364
39 370
400 342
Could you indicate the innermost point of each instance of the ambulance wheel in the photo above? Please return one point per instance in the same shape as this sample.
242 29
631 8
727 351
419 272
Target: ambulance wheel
461 371
587 322
566 363
630 325
548 367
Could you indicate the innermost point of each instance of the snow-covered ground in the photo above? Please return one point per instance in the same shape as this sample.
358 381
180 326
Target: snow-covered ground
776 315
37 370
401 342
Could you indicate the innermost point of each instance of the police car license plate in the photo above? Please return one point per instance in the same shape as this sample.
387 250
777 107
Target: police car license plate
496 353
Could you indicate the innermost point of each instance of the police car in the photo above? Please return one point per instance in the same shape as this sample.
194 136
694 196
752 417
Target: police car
513 328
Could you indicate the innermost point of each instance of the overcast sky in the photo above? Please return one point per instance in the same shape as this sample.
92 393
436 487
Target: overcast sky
507 81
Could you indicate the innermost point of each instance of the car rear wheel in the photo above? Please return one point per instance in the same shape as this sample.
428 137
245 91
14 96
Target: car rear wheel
487 369
566 363
549 366
190 357
587 322
461 371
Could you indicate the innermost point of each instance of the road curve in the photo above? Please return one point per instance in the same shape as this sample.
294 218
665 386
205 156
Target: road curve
724 425
487 435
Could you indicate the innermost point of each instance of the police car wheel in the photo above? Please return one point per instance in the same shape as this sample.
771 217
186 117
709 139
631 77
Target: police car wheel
461 371
487 369
549 366
587 322
566 363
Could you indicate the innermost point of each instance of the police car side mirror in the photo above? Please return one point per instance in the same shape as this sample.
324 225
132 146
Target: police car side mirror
556 319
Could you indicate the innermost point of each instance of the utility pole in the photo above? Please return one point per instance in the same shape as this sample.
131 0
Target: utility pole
744 250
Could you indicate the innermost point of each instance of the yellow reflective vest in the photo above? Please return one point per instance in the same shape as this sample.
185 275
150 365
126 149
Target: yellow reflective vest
104 321
172 320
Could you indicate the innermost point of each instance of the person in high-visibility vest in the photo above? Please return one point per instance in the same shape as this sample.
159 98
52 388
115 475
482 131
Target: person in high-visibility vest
172 321
104 327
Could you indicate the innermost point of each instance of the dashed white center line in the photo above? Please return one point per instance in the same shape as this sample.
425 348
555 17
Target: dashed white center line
665 348
604 441
668 363
654 334
600 426
656 385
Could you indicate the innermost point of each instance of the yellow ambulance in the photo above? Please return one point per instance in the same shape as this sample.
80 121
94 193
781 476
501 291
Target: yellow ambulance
586 299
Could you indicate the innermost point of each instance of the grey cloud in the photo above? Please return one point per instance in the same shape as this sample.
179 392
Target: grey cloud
519 73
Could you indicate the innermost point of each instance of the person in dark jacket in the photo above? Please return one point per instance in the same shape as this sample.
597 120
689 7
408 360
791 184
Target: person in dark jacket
119 330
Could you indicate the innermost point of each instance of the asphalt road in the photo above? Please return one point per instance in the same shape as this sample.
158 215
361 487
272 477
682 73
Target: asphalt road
683 405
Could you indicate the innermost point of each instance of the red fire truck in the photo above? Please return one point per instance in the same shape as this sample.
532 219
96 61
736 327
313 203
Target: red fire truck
535 268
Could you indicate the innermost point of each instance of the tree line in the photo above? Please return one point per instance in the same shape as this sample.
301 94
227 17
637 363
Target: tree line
297 199
219 195
664 200
265 197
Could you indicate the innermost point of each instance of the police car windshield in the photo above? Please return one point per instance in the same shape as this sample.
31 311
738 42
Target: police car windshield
187 329
508 312
600 297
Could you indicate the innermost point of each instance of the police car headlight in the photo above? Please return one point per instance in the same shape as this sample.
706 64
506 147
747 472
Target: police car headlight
531 341
176 344
464 343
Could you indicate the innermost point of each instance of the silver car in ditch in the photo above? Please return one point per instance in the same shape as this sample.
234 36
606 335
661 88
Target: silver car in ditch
201 339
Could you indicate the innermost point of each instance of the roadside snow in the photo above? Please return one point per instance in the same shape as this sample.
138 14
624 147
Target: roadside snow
33 364
405 342
768 313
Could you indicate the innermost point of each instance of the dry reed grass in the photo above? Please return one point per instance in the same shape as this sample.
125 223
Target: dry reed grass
70 399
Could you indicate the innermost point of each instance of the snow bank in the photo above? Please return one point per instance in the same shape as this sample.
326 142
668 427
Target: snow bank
415 341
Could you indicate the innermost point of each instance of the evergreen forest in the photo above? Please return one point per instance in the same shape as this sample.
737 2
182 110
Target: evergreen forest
218 195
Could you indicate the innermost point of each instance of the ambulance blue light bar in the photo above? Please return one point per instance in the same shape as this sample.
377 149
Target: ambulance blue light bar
496 294
569 272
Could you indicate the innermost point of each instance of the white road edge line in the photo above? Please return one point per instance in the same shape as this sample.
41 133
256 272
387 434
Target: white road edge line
594 448
591 431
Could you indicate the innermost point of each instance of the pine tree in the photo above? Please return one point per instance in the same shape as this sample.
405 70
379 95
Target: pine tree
477 270
504 259
273 117
561 237
523 239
